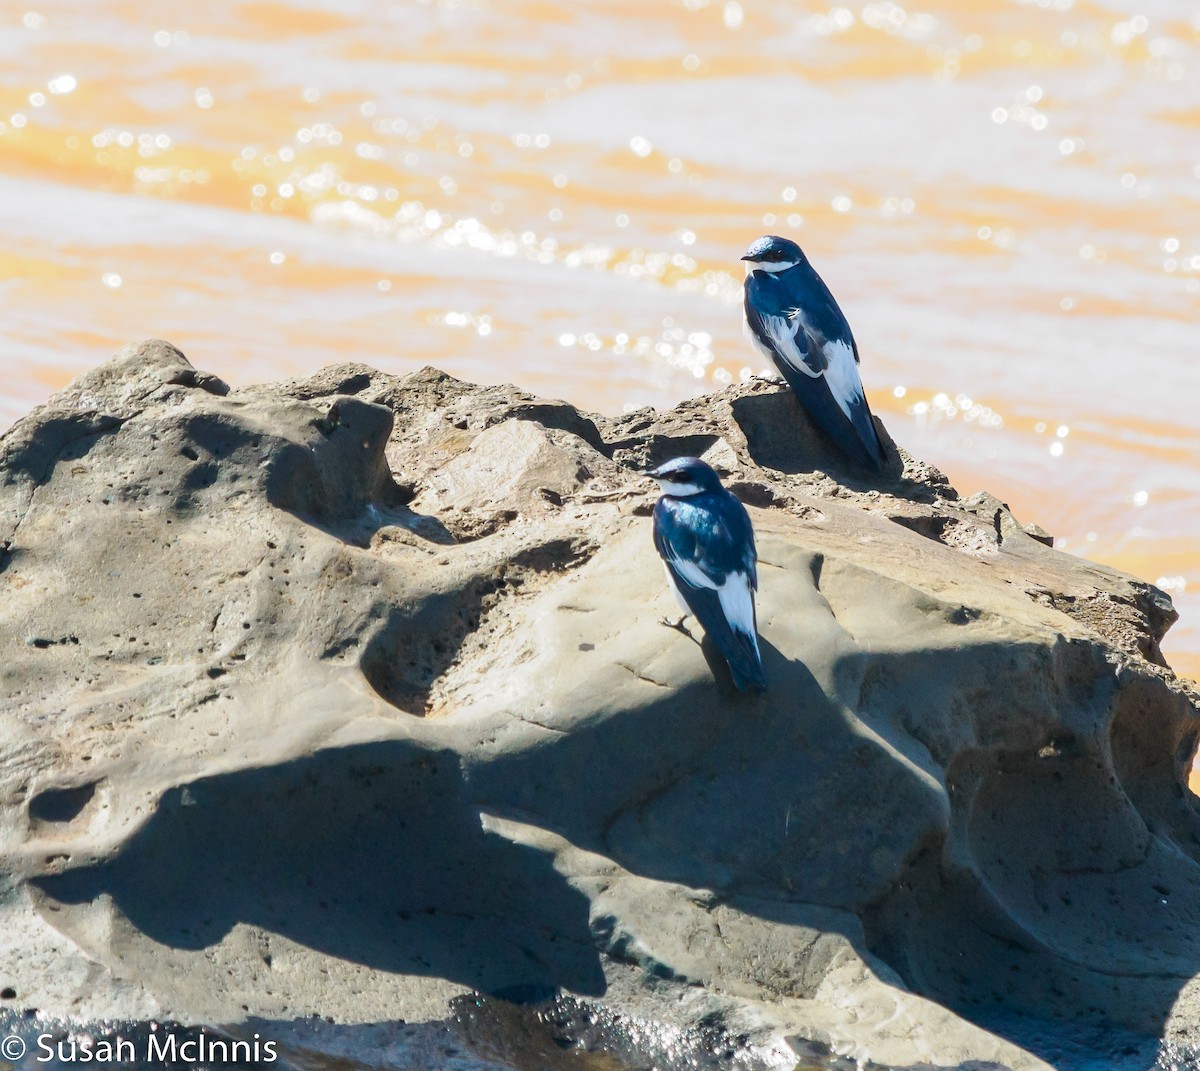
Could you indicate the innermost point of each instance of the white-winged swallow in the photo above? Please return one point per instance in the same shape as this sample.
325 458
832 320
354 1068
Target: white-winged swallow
704 537
793 319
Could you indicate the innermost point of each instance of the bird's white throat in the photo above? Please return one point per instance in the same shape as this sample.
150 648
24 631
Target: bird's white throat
771 266
679 490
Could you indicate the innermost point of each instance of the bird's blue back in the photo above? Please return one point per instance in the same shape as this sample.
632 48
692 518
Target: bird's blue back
712 529
799 299
707 544
801 287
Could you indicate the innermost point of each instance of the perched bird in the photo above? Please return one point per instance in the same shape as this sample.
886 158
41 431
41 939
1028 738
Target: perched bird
792 318
703 535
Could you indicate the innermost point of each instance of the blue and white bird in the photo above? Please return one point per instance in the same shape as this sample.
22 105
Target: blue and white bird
704 537
792 318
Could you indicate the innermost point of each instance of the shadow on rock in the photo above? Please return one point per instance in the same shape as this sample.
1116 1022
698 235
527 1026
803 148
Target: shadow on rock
338 479
781 435
758 794
1067 883
980 829
370 853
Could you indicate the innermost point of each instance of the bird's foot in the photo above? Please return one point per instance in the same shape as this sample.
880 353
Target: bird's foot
774 378
678 626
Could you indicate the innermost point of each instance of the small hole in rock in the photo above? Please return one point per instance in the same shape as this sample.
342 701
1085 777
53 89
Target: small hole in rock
61 804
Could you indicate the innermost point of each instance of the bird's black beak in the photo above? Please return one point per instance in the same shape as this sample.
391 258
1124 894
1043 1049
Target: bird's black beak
747 257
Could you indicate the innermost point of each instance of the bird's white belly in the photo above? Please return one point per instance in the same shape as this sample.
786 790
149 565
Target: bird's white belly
675 590
758 343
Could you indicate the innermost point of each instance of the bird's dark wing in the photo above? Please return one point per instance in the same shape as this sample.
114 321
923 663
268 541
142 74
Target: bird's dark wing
710 559
822 320
818 357
781 336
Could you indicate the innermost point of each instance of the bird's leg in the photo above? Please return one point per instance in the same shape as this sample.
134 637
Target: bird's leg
678 626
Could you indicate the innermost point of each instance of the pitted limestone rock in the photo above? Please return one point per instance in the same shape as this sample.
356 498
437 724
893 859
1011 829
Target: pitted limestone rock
362 678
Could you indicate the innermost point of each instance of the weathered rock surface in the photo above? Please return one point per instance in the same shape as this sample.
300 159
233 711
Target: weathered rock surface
350 694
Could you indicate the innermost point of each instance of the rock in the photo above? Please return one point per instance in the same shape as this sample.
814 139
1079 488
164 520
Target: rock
350 695
511 469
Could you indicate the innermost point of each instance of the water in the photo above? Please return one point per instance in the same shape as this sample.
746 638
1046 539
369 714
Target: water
1001 194
479 1034
483 1033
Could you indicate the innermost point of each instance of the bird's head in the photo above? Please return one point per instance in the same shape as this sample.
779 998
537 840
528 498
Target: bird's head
772 253
684 476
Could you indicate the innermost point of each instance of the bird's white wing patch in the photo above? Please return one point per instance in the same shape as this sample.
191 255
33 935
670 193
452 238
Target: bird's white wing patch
782 333
737 602
692 574
842 376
